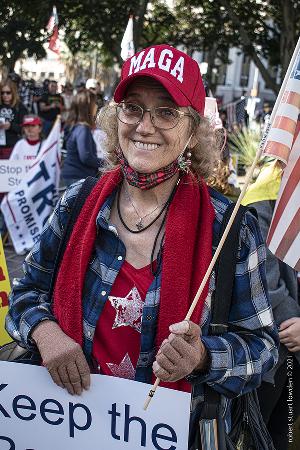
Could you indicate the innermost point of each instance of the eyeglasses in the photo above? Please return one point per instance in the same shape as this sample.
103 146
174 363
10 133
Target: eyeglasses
162 117
5 92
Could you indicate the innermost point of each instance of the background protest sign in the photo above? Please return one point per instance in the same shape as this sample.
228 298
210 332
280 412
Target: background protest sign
40 415
12 173
27 208
4 291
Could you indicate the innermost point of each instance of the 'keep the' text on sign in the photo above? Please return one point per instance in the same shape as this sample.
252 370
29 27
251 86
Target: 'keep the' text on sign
36 414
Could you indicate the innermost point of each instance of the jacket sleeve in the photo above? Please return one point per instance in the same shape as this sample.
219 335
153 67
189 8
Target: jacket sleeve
240 357
29 301
282 279
86 147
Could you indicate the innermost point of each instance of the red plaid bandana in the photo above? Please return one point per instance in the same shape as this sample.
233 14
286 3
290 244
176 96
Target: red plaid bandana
146 181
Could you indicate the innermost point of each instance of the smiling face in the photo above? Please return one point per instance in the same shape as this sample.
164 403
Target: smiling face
146 147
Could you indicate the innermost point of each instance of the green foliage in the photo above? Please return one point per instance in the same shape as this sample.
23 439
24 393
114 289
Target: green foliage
245 143
20 30
262 29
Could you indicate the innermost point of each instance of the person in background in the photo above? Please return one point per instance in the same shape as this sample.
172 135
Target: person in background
284 296
12 112
91 85
81 160
29 147
80 87
51 105
36 97
68 97
139 250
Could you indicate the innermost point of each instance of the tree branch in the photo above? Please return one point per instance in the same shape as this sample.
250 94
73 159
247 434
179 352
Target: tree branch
270 81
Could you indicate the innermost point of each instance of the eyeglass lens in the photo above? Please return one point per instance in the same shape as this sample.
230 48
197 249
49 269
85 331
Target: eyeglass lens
162 117
5 92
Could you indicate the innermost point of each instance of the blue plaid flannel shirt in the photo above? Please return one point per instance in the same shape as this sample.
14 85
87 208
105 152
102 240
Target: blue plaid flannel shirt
238 359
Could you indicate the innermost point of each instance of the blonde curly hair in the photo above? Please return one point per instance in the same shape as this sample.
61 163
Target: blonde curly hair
205 153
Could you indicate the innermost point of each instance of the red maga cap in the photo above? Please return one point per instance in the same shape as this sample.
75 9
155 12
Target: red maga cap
31 121
176 71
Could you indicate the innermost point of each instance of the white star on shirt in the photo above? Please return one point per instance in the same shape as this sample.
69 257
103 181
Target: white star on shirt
123 370
129 310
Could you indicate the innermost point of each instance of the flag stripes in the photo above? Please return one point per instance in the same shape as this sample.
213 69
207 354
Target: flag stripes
284 233
290 236
52 28
236 114
283 129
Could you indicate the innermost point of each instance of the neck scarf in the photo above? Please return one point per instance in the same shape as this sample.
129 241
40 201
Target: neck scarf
146 181
189 225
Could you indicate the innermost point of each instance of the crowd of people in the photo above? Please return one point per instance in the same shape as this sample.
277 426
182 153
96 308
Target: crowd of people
142 243
27 115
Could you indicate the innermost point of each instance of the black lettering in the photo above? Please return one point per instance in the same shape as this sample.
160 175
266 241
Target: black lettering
2 410
44 410
20 193
10 441
34 230
16 406
21 201
131 419
73 424
114 415
156 435
42 195
28 219
25 209
43 173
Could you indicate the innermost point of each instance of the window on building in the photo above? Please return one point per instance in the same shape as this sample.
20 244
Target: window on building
245 71
51 75
42 75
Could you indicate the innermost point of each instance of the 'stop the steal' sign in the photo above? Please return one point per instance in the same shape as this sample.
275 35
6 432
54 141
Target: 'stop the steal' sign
36 414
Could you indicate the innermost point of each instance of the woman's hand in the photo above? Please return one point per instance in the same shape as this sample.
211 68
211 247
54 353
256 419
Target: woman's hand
62 356
182 353
289 334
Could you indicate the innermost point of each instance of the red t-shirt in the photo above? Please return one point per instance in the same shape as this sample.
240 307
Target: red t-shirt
116 345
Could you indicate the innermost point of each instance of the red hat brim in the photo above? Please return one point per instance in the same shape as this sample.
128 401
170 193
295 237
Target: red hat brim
179 98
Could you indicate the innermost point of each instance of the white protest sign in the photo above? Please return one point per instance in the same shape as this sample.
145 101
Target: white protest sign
35 414
12 173
27 207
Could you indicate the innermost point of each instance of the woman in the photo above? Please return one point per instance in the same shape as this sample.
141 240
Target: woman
29 147
12 112
139 251
81 160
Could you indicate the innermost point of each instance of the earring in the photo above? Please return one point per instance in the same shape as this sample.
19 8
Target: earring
185 162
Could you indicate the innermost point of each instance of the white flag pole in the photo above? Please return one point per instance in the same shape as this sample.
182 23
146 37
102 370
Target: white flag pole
234 212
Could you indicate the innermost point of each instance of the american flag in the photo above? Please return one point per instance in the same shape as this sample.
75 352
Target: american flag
236 113
53 21
284 143
52 28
